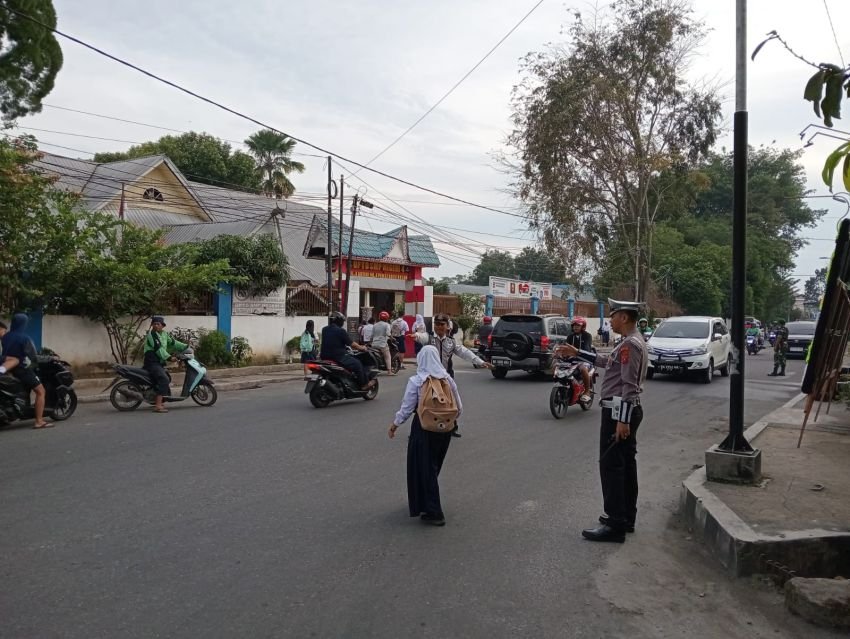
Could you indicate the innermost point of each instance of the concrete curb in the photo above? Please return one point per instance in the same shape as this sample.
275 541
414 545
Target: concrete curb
221 387
742 550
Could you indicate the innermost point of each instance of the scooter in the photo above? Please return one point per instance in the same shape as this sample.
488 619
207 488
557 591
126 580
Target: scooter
772 337
752 345
395 356
569 387
330 382
133 385
60 398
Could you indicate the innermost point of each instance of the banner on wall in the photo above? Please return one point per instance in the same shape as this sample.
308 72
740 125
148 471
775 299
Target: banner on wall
503 287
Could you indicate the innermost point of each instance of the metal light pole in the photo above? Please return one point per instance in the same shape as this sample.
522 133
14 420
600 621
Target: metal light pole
735 441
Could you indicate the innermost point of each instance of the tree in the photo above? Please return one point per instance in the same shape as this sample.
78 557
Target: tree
272 153
538 265
493 263
596 124
30 57
441 286
132 277
258 260
200 156
42 234
815 286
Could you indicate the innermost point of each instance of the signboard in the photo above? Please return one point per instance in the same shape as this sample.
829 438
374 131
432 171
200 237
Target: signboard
502 287
274 304
384 270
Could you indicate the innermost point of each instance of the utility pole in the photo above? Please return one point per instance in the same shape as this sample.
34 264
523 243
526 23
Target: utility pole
350 247
342 293
328 264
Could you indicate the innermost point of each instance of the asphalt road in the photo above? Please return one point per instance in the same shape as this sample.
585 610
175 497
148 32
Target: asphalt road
264 517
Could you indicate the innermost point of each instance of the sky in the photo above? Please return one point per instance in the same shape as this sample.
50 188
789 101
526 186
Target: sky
350 77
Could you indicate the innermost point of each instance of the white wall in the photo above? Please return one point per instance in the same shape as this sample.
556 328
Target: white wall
268 334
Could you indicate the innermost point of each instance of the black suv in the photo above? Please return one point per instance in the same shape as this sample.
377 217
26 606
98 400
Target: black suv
525 342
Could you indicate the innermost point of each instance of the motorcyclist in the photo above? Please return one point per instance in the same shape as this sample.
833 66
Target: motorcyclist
19 358
484 334
159 348
643 327
755 332
583 341
335 339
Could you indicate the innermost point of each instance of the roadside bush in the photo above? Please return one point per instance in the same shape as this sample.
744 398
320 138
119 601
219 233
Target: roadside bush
293 346
240 351
212 349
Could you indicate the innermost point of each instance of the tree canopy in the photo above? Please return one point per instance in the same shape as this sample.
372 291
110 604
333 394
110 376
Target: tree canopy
200 156
258 260
272 153
30 57
493 263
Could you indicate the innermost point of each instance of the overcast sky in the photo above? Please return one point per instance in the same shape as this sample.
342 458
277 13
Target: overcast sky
352 76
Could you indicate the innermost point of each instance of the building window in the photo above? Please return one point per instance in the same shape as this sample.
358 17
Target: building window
152 194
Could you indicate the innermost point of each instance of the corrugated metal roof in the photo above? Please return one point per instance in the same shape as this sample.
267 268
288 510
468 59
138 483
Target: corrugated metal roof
185 233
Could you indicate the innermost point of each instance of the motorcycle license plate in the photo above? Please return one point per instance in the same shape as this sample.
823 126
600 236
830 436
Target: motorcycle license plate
504 363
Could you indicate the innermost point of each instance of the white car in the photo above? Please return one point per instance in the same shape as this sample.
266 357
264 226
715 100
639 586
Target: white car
690 344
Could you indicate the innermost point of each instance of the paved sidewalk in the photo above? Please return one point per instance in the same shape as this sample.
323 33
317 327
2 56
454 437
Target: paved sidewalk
798 518
225 379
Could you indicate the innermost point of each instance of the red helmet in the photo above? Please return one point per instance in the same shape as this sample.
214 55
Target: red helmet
580 321
487 319
383 316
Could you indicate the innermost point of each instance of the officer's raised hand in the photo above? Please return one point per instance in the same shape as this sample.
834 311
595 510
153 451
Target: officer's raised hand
566 350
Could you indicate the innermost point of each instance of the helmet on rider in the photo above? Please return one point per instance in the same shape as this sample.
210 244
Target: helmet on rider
337 318
643 320
383 316
488 319
580 322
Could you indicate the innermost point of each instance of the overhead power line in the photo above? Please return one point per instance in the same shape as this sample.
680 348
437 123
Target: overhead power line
237 113
455 86
834 36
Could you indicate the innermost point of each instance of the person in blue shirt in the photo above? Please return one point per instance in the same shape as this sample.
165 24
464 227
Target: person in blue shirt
19 358
335 340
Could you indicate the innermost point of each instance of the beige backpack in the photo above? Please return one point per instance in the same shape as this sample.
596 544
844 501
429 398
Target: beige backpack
437 406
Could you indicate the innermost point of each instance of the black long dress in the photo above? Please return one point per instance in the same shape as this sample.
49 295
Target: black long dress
425 454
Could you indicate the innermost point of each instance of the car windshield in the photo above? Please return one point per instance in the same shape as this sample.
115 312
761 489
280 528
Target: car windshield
683 330
525 325
801 328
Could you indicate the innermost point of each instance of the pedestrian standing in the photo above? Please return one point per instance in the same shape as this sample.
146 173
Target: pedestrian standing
447 347
780 350
380 340
426 450
368 330
621 416
309 345
419 329
606 331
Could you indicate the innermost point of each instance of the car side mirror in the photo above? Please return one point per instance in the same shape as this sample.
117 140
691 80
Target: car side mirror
716 337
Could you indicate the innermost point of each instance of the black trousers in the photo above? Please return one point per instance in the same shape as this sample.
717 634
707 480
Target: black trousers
618 469
159 377
426 452
352 364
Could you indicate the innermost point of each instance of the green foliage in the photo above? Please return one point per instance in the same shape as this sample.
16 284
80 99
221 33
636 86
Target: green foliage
272 153
441 286
815 285
258 260
294 345
212 349
597 121
241 351
493 263
538 265
465 322
471 307
30 57
200 156
130 277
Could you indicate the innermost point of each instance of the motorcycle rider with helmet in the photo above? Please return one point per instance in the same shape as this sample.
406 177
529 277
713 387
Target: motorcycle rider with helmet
583 341
643 327
484 334
335 339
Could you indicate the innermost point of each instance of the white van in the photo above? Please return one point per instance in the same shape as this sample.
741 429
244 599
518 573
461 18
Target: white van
693 344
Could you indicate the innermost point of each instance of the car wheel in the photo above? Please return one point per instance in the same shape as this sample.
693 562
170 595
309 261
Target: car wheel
728 367
708 373
499 373
650 373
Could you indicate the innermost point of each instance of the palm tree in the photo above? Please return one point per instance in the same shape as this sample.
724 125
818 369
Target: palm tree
272 152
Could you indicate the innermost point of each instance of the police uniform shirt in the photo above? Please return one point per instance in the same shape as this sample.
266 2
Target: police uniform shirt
448 346
625 368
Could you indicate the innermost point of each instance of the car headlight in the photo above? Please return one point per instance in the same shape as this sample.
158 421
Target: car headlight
700 350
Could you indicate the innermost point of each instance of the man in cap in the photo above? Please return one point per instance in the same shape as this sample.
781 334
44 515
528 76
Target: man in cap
780 348
159 348
621 417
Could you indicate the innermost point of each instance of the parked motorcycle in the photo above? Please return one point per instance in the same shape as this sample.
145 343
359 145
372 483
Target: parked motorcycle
330 382
60 398
569 387
395 357
133 385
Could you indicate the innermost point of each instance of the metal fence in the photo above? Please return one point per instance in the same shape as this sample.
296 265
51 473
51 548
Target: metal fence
448 304
307 300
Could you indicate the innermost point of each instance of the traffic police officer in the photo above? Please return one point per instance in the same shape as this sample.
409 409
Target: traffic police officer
780 349
621 417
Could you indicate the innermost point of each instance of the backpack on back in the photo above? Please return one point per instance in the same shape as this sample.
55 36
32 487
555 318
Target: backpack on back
437 408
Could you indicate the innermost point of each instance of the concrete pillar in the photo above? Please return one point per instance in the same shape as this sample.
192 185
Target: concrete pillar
224 309
601 312
489 304
535 304
571 305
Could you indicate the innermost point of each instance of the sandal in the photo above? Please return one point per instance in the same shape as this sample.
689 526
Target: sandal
160 410
44 425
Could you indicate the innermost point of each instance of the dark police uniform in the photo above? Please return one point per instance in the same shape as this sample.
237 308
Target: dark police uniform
622 386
